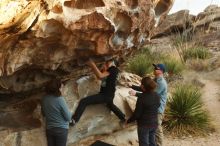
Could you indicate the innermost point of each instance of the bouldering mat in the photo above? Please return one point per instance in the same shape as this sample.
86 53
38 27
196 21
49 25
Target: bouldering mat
100 143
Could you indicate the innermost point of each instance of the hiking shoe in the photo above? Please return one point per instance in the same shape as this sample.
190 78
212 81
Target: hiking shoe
72 122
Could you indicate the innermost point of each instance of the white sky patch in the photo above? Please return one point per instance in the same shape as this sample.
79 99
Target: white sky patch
195 6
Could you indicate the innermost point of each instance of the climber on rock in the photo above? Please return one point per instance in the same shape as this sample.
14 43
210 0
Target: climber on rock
108 76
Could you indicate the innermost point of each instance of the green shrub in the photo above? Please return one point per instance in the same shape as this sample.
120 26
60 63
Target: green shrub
185 114
196 53
145 51
173 66
140 64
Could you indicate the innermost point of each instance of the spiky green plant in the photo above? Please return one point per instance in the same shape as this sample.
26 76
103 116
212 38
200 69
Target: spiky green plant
140 64
196 52
173 66
180 40
185 113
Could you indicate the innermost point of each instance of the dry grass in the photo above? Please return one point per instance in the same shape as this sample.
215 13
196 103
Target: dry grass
198 64
215 64
196 52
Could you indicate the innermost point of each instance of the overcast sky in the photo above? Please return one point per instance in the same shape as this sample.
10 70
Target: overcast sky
195 6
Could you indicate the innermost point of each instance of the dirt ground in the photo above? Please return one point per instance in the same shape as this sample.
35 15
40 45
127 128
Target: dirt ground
211 98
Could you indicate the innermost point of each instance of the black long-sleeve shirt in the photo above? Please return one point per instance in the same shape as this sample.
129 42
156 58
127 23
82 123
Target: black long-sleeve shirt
108 85
146 109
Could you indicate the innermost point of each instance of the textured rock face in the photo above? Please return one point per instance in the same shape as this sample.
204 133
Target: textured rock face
96 120
210 15
43 39
174 23
183 21
202 29
208 22
56 37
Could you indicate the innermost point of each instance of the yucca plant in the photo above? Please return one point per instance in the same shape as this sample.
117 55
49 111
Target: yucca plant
140 64
173 66
185 113
180 41
196 52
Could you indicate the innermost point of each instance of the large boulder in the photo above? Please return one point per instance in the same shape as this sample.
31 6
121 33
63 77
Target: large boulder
184 23
210 14
174 23
44 39
55 38
23 124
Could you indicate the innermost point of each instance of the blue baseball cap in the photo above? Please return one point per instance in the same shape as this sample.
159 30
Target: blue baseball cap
160 67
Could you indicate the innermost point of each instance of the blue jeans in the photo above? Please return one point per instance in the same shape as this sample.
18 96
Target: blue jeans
56 136
146 136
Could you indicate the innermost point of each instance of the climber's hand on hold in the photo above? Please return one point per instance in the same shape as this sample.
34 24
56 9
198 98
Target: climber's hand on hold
90 62
132 93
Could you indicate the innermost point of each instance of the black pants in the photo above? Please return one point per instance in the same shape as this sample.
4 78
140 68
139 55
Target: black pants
97 99
146 136
56 136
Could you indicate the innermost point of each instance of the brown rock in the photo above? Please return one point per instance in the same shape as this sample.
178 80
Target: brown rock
174 23
73 33
43 39
210 40
210 14
57 9
215 25
84 4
